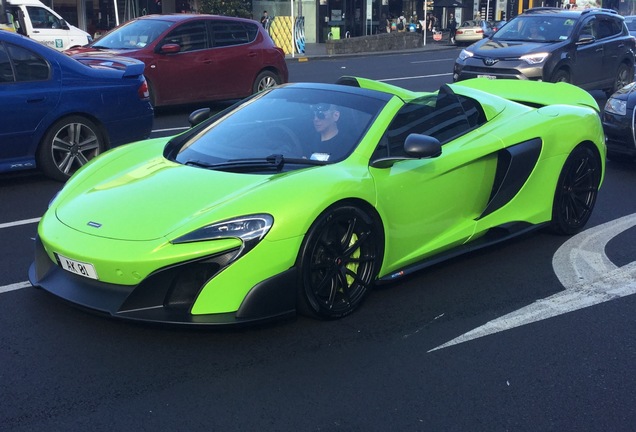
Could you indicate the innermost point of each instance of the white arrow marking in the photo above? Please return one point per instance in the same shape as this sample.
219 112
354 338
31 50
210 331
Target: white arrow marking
587 274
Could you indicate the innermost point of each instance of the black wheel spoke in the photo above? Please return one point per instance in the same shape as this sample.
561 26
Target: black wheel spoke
341 264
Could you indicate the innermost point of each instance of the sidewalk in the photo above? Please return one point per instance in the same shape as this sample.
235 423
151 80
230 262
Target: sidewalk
319 50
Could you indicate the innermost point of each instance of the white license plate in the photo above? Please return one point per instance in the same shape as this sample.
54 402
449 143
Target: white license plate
468 32
487 76
77 267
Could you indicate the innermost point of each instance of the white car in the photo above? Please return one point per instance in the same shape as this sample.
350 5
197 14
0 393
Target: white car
471 31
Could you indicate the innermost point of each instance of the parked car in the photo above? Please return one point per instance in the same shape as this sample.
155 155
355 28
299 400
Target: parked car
471 31
630 21
618 122
196 58
256 213
34 19
590 48
58 112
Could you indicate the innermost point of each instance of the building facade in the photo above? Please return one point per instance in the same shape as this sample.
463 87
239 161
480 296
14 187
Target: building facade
324 18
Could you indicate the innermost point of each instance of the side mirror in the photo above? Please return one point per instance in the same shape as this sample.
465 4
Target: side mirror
199 116
169 49
422 146
585 39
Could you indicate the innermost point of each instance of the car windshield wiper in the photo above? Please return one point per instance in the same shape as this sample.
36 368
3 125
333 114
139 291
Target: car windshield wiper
276 161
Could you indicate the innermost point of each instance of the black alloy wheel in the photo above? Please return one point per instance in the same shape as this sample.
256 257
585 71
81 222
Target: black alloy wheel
339 260
576 191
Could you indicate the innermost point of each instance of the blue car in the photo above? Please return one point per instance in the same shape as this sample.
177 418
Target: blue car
58 112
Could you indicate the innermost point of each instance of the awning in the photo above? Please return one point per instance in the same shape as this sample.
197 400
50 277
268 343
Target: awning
448 3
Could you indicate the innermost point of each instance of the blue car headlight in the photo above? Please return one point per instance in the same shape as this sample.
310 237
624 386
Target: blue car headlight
250 229
616 106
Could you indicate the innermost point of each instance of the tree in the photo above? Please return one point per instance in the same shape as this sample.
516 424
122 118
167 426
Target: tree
238 8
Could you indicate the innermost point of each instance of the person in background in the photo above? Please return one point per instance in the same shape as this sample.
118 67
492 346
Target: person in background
264 19
452 28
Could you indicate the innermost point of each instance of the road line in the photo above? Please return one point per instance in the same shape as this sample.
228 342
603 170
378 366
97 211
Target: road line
20 222
171 129
587 274
415 77
15 286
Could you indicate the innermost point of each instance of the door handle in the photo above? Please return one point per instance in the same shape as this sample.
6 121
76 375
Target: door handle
36 99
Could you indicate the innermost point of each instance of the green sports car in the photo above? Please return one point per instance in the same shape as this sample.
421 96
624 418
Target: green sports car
302 197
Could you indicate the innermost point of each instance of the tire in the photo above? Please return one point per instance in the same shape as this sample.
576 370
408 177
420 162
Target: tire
69 144
620 157
265 80
576 191
623 77
561 75
338 262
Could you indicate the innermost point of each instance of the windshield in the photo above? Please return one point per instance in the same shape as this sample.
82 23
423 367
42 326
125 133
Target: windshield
535 28
297 124
133 35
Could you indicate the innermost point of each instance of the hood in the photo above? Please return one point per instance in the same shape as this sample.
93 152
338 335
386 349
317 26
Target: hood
150 200
508 49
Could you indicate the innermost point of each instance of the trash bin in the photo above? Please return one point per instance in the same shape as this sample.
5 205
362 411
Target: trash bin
335 32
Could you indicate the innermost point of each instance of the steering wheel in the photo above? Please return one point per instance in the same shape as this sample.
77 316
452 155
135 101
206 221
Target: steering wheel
284 140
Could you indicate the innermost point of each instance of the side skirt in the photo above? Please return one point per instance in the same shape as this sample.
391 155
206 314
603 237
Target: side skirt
493 236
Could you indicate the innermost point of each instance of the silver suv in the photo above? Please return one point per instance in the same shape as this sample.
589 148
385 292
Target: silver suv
590 48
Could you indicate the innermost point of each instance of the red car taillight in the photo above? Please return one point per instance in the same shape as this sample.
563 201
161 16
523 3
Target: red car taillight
143 91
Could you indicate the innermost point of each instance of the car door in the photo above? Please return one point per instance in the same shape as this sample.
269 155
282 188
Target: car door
588 65
238 57
186 76
48 28
29 90
614 47
432 204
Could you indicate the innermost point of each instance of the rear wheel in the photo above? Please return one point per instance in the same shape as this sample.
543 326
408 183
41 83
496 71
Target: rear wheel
576 191
69 144
265 80
623 77
339 260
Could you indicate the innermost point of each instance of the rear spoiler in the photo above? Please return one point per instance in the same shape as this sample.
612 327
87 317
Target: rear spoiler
535 93
131 67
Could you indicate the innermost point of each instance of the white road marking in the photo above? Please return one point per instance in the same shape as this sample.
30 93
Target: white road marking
15 286
415 77
587 274
20 222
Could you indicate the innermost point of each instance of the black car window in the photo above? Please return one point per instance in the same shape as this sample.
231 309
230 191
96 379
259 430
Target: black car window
6 71
42 18
589 28
226 33
28 66
191 36
608 28
443 115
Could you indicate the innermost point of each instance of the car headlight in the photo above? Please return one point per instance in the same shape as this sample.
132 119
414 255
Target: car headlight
465 54
616 106
251 229
535 58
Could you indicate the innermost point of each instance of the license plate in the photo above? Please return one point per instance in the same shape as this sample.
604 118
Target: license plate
487 76
77 267
468 32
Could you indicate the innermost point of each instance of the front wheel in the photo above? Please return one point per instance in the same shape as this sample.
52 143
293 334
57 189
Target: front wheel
576 191
339 260
561 76
69 144
265 80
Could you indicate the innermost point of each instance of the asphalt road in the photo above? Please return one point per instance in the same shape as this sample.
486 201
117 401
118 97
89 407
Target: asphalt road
537 334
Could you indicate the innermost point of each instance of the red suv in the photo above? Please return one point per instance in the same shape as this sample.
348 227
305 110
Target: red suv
195 58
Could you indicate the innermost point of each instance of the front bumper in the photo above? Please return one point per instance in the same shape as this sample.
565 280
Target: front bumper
160 299
620 133
475 67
